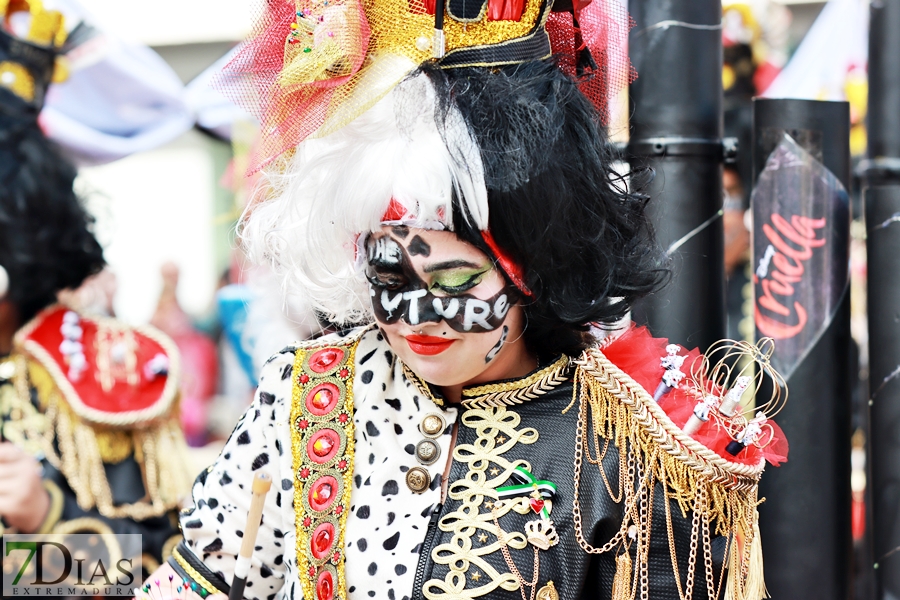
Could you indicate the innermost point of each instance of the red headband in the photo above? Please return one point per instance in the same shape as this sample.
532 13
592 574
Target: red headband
512 270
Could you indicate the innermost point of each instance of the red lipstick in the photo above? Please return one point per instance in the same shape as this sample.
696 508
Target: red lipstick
427 345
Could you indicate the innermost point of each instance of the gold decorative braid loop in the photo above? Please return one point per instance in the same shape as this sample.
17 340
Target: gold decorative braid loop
517 392
194 573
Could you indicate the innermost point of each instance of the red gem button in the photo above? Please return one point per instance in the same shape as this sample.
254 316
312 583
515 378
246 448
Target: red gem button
323 445
537 504
325 586
322 540
322 399
323 492
304 378
325 359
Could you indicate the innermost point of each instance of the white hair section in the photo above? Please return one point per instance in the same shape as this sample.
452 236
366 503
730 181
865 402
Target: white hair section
338 187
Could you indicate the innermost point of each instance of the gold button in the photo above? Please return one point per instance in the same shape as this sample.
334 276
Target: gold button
417 479
427 451
548 592
433 425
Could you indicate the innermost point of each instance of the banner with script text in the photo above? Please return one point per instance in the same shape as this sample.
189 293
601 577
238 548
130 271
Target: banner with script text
801 219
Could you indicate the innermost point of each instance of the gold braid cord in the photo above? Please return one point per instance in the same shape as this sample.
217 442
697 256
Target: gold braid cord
523 390
159 448
722 496
499 432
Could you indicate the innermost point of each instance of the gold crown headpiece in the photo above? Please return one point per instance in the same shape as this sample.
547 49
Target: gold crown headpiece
29 65
312 66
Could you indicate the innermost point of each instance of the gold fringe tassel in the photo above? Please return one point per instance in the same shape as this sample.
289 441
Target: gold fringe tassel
621 589
160 450
725 510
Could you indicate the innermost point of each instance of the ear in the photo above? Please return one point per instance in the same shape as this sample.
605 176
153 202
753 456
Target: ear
4 282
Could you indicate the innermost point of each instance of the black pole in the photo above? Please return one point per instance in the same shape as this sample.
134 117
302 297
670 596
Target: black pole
881 173
805 520
676 128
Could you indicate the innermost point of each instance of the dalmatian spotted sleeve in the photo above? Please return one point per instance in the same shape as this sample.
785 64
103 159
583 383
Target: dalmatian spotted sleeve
213 528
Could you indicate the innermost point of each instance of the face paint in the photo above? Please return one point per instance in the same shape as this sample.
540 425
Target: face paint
401 231
418 246
496 349
399 293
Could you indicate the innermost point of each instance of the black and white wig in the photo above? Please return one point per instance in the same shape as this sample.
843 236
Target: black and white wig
518 151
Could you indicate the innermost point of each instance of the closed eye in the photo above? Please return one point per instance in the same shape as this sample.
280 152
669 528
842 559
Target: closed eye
386 278
458 282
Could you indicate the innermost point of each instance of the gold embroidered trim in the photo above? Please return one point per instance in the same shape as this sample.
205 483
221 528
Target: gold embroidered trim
517 392
420 384
488 469
21 422
316 371
57 501
720 495
651 418
194 573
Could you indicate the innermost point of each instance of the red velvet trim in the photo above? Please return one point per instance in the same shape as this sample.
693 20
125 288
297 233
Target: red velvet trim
44 332
512 270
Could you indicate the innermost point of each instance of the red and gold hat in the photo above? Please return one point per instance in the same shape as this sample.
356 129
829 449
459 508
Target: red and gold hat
312 66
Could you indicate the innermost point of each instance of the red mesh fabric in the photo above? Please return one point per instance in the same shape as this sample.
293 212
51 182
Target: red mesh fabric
603 29
638 353
292 105
288 114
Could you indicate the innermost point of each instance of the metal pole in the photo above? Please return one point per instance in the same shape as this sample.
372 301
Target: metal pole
676 128
881 173
805 520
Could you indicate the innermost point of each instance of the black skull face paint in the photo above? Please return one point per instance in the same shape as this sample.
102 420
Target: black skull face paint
399 293
497 347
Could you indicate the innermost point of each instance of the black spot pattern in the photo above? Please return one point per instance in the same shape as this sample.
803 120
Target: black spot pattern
362 544
371 429
244 438
367 377
363 511
391 542
393 403
260 461
391 488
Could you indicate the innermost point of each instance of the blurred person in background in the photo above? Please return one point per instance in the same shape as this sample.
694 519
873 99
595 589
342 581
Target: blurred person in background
89 436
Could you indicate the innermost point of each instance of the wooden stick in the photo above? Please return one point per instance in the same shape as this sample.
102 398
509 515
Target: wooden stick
261 484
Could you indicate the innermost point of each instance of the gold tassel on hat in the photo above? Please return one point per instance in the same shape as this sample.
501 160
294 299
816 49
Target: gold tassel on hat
621 589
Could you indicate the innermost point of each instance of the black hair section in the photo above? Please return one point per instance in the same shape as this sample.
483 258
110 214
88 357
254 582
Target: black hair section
46 243
557 207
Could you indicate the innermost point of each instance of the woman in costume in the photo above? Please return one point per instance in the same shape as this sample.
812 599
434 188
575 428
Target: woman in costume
469 438
89 440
